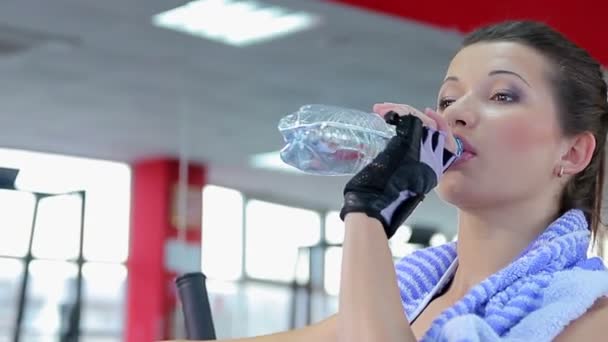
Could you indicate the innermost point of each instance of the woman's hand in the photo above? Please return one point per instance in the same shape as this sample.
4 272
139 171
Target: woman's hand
393 185
430 119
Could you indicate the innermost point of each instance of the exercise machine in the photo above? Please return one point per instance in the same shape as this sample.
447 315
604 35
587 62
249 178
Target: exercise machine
192 292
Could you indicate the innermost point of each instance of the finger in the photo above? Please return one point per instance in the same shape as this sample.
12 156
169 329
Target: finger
442 125
402 109
426 120
383 108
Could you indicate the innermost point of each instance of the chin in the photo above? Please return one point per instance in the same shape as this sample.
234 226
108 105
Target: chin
465 194
454 190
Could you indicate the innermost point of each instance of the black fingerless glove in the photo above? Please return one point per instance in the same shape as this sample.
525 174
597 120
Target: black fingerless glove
396 181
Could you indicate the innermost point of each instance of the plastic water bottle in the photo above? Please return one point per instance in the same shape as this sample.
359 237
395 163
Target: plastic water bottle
332 141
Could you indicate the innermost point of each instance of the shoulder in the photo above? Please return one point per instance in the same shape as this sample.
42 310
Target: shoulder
591 326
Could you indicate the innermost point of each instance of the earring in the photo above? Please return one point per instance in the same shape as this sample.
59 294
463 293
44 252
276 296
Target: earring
561 172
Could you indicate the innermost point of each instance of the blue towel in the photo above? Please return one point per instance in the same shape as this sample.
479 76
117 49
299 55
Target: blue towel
550 284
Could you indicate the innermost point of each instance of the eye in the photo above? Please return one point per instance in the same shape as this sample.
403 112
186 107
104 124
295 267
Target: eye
445 103
504 97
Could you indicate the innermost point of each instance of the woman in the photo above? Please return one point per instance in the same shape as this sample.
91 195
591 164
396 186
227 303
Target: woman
531 113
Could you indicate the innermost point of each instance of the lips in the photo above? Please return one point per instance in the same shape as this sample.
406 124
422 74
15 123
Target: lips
466 146
468 152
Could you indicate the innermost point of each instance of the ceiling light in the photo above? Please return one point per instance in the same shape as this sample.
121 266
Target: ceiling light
237 23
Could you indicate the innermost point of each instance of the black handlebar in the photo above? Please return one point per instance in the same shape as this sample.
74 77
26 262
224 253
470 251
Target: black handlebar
192 292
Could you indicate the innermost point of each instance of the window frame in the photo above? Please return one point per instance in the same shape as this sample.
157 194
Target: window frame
75 315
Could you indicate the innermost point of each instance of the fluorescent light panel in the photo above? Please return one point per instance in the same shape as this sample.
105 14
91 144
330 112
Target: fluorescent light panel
237 23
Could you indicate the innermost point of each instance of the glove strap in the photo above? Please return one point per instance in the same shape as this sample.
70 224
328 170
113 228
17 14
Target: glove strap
391 217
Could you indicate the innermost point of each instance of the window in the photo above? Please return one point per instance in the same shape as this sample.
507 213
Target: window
400 242
107 213
103 308
248 309
57 234
11 272
50 297
333 266
302 268
222 239
16 223
334 228
267 308
274 234
108 188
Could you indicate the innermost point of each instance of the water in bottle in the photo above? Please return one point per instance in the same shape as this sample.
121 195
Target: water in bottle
330 140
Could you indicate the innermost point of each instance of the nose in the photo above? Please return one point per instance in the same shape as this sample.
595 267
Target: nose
461 113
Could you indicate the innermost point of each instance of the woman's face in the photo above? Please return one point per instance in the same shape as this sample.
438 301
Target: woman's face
498 97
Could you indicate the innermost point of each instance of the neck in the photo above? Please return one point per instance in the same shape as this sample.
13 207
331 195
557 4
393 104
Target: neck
491 238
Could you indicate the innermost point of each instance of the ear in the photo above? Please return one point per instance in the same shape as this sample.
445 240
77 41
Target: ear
578 153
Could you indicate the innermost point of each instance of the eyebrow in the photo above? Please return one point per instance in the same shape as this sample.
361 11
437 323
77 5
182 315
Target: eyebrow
497 72
492 73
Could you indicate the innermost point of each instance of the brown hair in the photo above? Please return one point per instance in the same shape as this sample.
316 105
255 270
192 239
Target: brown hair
581 93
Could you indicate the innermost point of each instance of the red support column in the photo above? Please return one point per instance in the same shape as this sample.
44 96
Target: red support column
151 296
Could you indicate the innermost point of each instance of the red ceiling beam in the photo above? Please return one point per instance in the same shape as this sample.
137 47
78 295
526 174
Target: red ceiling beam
583 21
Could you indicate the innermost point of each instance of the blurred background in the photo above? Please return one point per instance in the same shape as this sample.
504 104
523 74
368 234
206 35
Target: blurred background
139 142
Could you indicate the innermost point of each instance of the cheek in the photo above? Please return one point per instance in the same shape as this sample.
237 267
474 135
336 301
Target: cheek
524 136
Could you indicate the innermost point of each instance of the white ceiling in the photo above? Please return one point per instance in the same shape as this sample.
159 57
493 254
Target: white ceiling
100 81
